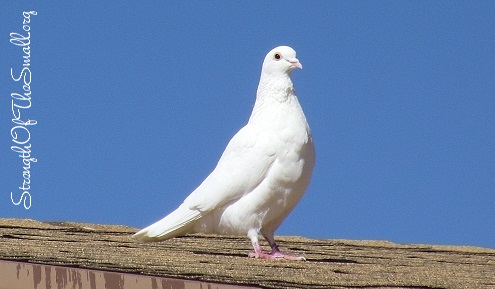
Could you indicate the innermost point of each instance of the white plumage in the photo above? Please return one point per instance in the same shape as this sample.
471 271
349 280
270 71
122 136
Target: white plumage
262 174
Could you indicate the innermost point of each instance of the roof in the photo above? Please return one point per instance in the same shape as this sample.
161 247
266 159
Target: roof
211 258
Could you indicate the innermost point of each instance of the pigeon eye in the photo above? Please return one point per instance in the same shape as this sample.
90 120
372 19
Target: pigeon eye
277 56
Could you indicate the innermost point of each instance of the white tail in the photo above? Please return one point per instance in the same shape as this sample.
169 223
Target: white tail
178 223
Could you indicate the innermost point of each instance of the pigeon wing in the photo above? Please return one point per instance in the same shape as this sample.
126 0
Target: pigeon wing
242 167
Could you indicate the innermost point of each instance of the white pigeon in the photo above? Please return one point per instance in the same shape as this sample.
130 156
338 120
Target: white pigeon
261 175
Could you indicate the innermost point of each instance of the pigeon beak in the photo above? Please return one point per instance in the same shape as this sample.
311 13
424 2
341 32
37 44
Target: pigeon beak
295 62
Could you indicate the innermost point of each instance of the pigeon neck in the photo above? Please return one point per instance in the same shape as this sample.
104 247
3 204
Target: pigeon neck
275 87
274 91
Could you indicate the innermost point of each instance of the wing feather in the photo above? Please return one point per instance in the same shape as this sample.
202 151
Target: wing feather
242 167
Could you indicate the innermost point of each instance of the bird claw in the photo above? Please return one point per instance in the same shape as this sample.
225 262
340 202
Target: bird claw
277 255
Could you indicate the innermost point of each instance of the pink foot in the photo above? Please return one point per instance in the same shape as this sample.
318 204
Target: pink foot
274 255
277 256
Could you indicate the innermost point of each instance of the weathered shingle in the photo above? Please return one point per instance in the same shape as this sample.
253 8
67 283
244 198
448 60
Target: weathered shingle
330 263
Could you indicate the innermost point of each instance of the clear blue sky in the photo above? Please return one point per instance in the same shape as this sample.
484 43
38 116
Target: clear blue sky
135 103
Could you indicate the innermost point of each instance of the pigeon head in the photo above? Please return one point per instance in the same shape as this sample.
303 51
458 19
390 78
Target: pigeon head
281 60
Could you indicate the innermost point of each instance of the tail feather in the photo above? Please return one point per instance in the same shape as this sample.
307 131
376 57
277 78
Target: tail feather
178 223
